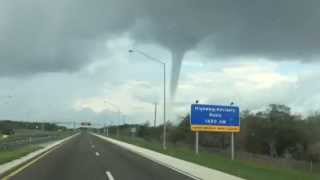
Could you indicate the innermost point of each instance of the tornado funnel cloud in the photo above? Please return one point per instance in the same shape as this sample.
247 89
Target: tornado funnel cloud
175 72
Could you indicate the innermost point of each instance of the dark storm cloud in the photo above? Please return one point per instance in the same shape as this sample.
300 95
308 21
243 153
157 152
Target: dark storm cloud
38 36
273 29
53 36
283 29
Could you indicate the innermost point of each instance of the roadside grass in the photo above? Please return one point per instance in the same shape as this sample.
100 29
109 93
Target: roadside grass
12 154
9 155
245 169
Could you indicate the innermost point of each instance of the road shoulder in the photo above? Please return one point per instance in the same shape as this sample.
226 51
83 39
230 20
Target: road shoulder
187 168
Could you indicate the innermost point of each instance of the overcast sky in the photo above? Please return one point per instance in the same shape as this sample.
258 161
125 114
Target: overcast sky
60 60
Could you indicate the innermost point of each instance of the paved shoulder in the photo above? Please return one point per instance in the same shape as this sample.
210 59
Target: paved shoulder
185 167
126 165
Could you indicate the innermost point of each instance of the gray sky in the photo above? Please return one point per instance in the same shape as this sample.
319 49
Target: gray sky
61 59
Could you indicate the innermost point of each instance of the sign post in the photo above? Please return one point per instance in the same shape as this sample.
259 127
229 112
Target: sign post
215 118
197 143
232 146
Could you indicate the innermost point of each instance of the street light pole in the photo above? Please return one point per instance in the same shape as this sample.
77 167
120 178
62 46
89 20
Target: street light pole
119 114
164 143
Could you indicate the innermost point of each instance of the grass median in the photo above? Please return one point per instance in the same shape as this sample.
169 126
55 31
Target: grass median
245 169
9 155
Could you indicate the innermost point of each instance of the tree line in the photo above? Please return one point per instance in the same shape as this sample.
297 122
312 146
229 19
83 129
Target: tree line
8 127
275 132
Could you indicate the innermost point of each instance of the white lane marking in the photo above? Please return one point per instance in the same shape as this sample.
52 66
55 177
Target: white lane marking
97 154
156 160
110 177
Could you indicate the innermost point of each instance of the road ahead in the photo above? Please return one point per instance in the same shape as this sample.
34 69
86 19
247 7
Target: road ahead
89 158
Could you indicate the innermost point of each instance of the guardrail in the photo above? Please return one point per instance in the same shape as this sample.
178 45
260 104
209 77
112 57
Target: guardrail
28 140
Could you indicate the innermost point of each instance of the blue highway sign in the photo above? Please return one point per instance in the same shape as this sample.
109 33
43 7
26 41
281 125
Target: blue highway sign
215 118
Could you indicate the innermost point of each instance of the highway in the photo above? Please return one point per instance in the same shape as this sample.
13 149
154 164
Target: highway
88 157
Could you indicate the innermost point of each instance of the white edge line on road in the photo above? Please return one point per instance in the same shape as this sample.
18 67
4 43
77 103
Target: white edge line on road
36 154
109 175
158 162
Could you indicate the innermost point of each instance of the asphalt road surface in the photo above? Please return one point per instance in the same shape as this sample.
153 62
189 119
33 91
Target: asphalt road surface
89 158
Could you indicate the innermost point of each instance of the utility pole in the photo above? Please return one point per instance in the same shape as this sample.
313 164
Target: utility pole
155 114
